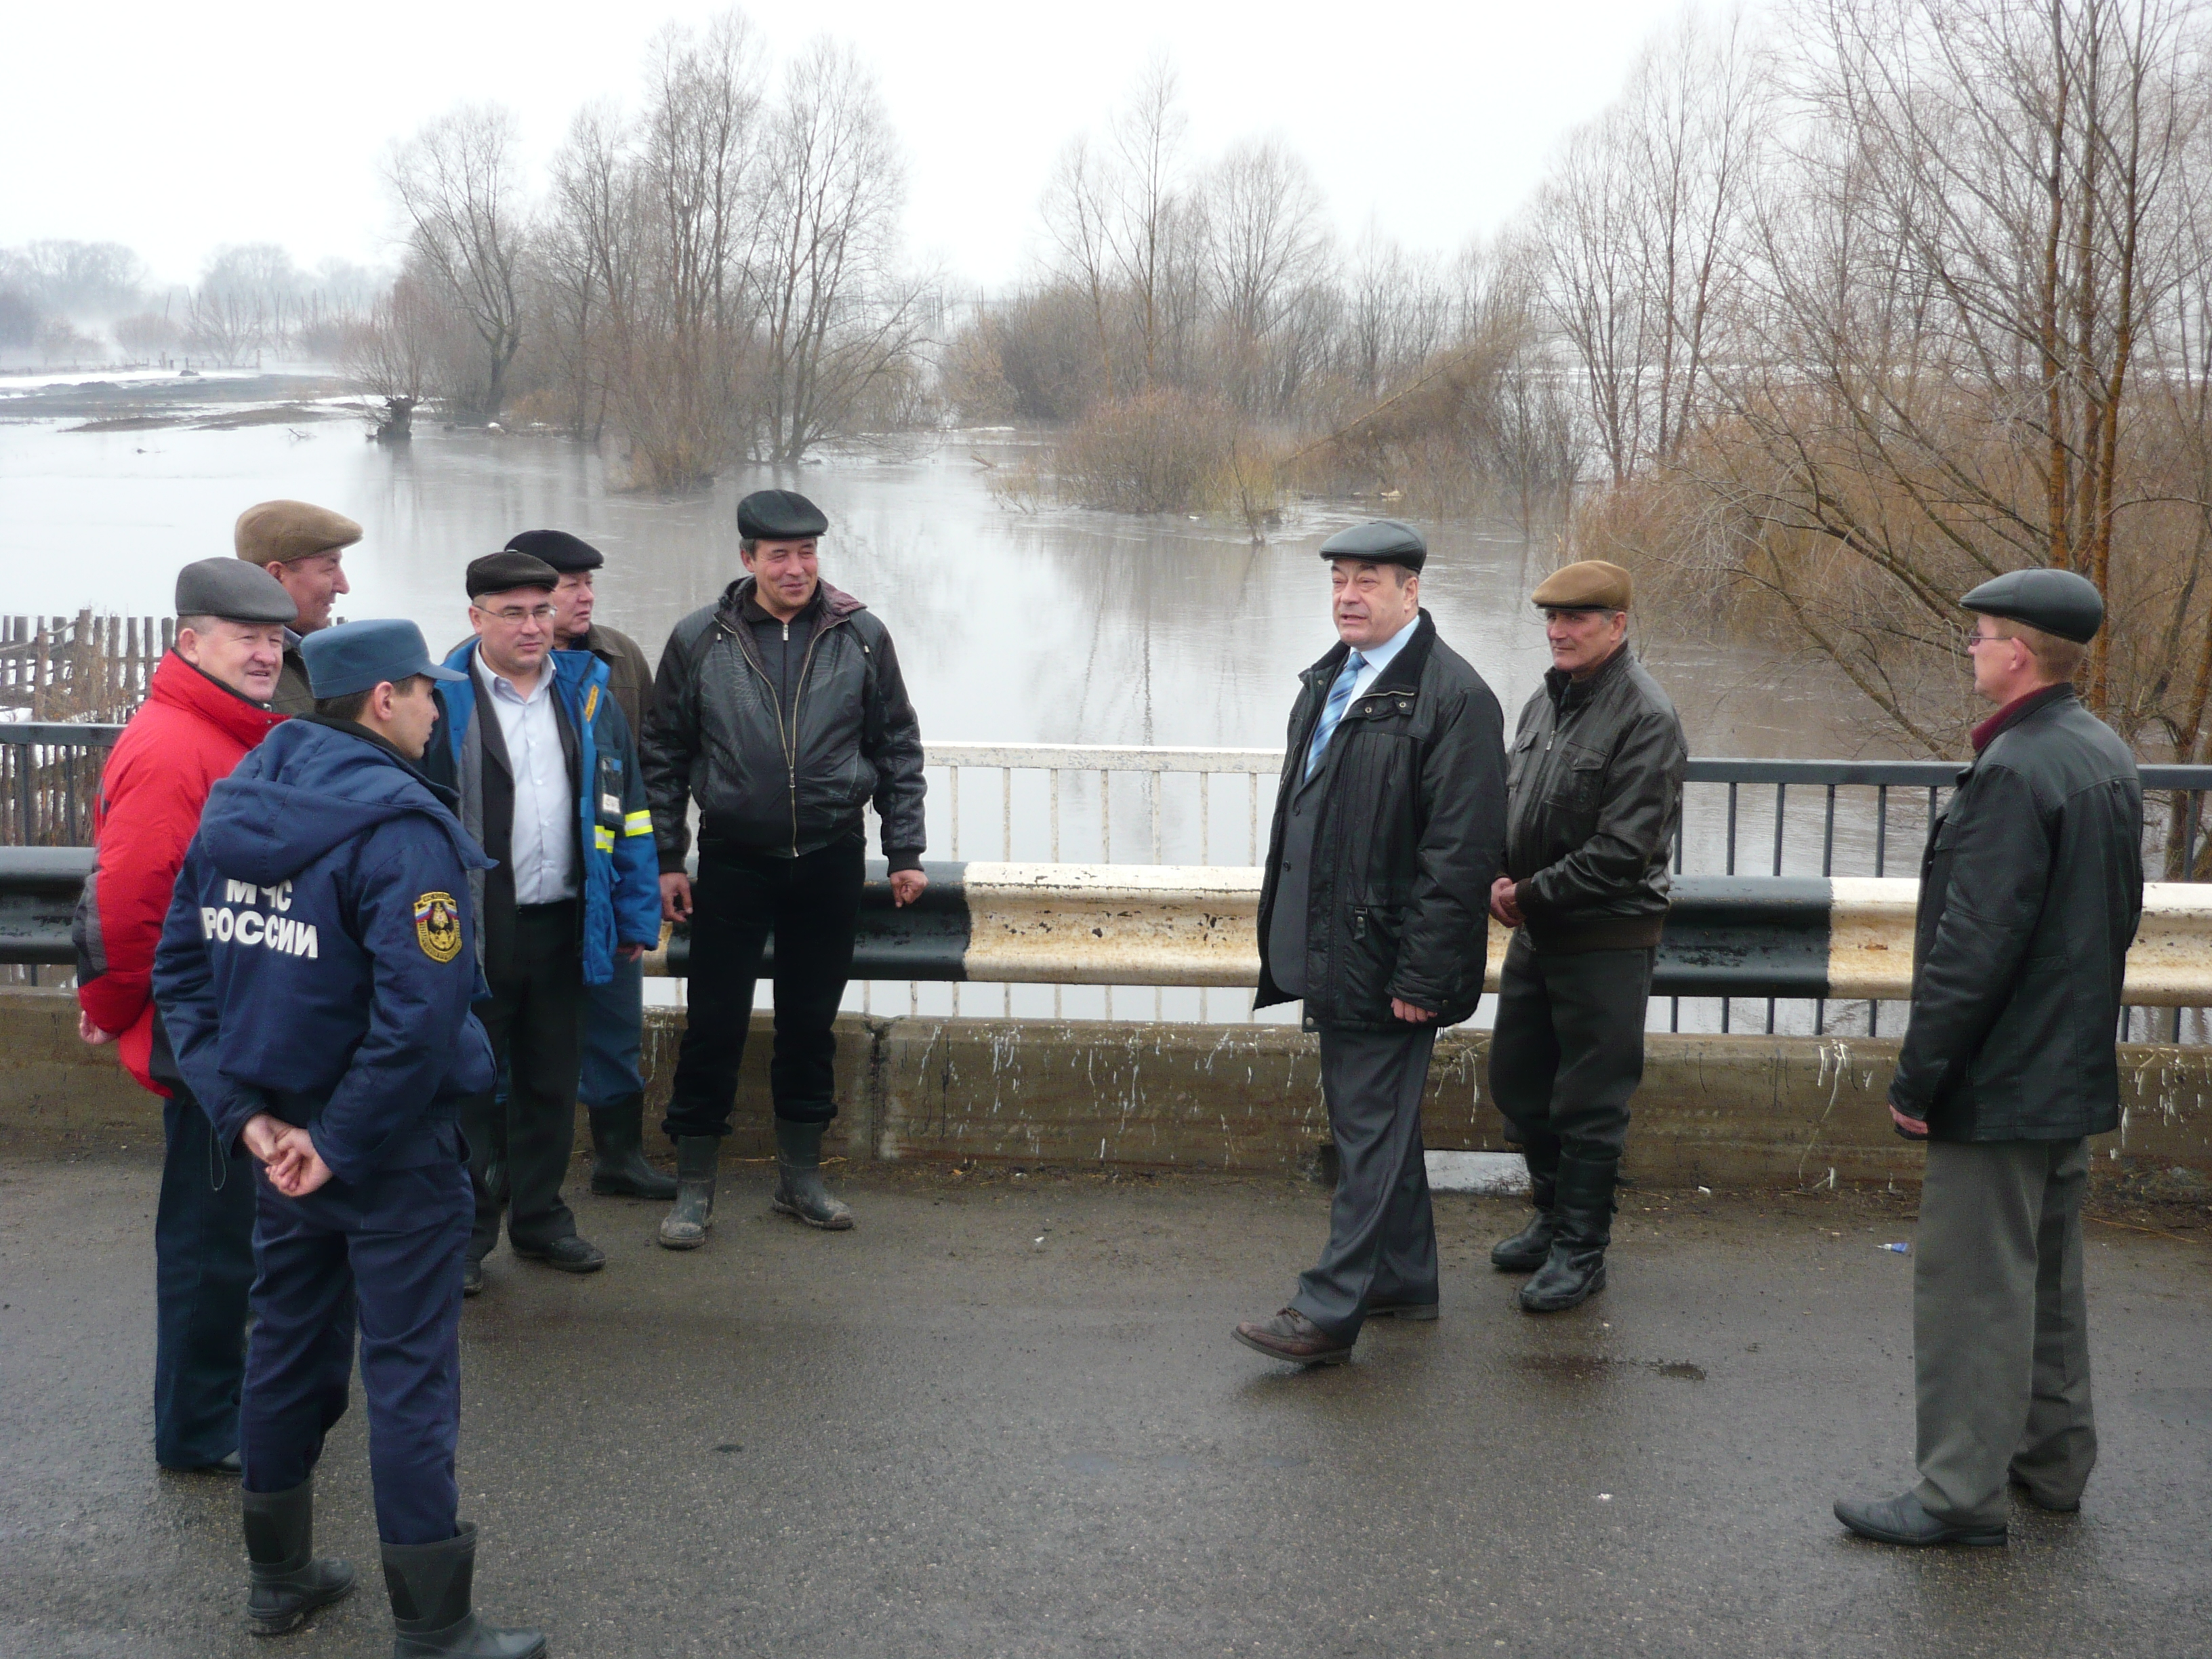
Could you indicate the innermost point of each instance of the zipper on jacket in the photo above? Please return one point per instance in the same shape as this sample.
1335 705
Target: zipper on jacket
786 739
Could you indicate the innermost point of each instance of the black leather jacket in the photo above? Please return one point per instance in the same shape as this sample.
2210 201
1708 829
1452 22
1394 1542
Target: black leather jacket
1408 844
717 734
1596 791
2030 893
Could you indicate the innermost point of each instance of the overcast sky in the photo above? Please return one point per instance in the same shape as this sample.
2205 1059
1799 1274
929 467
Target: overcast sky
176 128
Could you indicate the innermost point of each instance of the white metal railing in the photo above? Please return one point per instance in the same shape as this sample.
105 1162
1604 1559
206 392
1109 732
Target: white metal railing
1103 761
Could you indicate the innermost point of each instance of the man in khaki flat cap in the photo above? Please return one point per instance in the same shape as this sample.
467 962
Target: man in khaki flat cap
1594 794
302 546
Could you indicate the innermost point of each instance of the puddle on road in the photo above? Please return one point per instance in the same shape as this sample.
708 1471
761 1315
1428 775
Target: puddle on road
1590 1368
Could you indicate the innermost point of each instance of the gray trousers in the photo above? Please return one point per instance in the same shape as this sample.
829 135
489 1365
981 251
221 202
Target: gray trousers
1382 1233
2001 1325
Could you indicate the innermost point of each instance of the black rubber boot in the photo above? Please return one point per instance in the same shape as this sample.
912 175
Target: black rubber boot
799 1188
684 1227
433 1605
1576 1269
618 1165
288 1583
1530 1248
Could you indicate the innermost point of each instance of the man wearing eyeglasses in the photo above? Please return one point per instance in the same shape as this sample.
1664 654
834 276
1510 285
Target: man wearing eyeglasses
1594 794
545 766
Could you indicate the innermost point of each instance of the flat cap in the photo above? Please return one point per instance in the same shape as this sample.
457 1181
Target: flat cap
564 552
355 656
2057 601
778 515
234 591
497 573
1586 585
281 532
1381 541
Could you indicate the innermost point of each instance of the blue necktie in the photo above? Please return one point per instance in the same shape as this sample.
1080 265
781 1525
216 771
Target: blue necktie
1339 699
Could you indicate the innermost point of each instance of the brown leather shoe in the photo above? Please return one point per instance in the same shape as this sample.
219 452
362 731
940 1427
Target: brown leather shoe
1290 1335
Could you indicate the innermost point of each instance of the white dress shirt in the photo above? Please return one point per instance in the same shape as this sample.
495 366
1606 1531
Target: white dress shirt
542 841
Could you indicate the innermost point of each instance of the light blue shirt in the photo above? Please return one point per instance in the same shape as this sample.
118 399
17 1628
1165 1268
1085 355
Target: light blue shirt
1379 657
541 844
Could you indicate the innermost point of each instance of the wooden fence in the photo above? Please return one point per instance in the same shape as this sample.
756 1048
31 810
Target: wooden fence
85 667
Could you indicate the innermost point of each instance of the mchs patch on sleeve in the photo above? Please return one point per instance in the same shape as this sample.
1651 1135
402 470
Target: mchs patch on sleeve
438 927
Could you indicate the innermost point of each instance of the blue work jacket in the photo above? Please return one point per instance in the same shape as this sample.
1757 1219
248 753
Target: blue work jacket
620 872
318 960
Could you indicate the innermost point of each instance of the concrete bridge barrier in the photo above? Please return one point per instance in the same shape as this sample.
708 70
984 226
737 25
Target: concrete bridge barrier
1718 1111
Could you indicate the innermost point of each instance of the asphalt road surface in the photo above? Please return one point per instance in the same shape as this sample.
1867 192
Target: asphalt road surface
1004 1417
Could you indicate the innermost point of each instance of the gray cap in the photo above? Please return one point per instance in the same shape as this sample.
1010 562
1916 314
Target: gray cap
1382 541
234 590
2057 601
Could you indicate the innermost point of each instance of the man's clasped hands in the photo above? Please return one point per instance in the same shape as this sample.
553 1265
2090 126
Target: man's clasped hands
288 1153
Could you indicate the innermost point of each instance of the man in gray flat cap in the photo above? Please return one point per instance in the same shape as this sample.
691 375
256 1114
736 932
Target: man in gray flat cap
1389 825
2030 892
781 712
1598 764
207 707
303 547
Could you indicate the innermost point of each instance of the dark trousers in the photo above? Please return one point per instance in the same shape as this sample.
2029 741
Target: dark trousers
811 905
385 1254
1382 1233
2001 1325
202 1273
518 1152
613 1038
1567 1051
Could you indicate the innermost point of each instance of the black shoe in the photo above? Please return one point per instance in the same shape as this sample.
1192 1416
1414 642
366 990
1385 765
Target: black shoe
432 1605
288 1581
1530 1248
1291 1336
1901 1520
571 1255
227 1466
1415 1313
1583 1210
472 1277
618 1165
799 1188
686 1226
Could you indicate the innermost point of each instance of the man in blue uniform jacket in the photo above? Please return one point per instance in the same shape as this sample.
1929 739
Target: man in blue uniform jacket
315 976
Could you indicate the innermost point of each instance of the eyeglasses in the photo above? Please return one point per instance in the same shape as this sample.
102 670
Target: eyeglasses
514 616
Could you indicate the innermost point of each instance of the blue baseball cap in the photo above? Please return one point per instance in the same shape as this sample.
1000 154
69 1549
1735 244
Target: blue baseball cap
355 656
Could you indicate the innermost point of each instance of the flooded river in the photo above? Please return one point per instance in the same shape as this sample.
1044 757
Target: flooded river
1057 626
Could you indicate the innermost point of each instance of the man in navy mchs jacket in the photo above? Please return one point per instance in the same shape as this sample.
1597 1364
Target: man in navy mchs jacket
315 976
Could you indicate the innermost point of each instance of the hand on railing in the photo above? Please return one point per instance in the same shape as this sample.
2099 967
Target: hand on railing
907 886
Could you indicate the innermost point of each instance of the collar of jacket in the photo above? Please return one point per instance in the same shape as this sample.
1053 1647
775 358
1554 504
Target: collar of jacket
445 797
181 685
576 676
2016 711
1568 692
1402 673
836 604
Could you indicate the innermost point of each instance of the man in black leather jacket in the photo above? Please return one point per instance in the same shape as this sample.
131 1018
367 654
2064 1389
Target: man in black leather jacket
1596 793
1387 825
782 713
2030 892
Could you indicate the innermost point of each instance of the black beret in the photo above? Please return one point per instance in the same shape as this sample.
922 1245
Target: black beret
1383 541
232 591
564 552
778 515
497 573
2057 601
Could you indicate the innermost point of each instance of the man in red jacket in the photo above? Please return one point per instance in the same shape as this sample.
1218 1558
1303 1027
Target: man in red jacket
208 705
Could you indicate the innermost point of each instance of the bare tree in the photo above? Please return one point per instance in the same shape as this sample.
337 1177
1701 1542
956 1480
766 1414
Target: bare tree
397 355
1267 249
835 316
467 221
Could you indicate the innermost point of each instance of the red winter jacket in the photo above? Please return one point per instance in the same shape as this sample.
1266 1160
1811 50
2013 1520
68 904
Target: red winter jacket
190 731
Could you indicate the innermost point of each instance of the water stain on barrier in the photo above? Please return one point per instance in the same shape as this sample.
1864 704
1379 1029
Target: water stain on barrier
1591 1368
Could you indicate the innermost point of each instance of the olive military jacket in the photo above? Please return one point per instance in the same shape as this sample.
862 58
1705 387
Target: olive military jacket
1595 795
2031 891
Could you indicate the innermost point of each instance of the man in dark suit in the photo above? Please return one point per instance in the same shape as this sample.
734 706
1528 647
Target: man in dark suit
1389 827
2030 892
